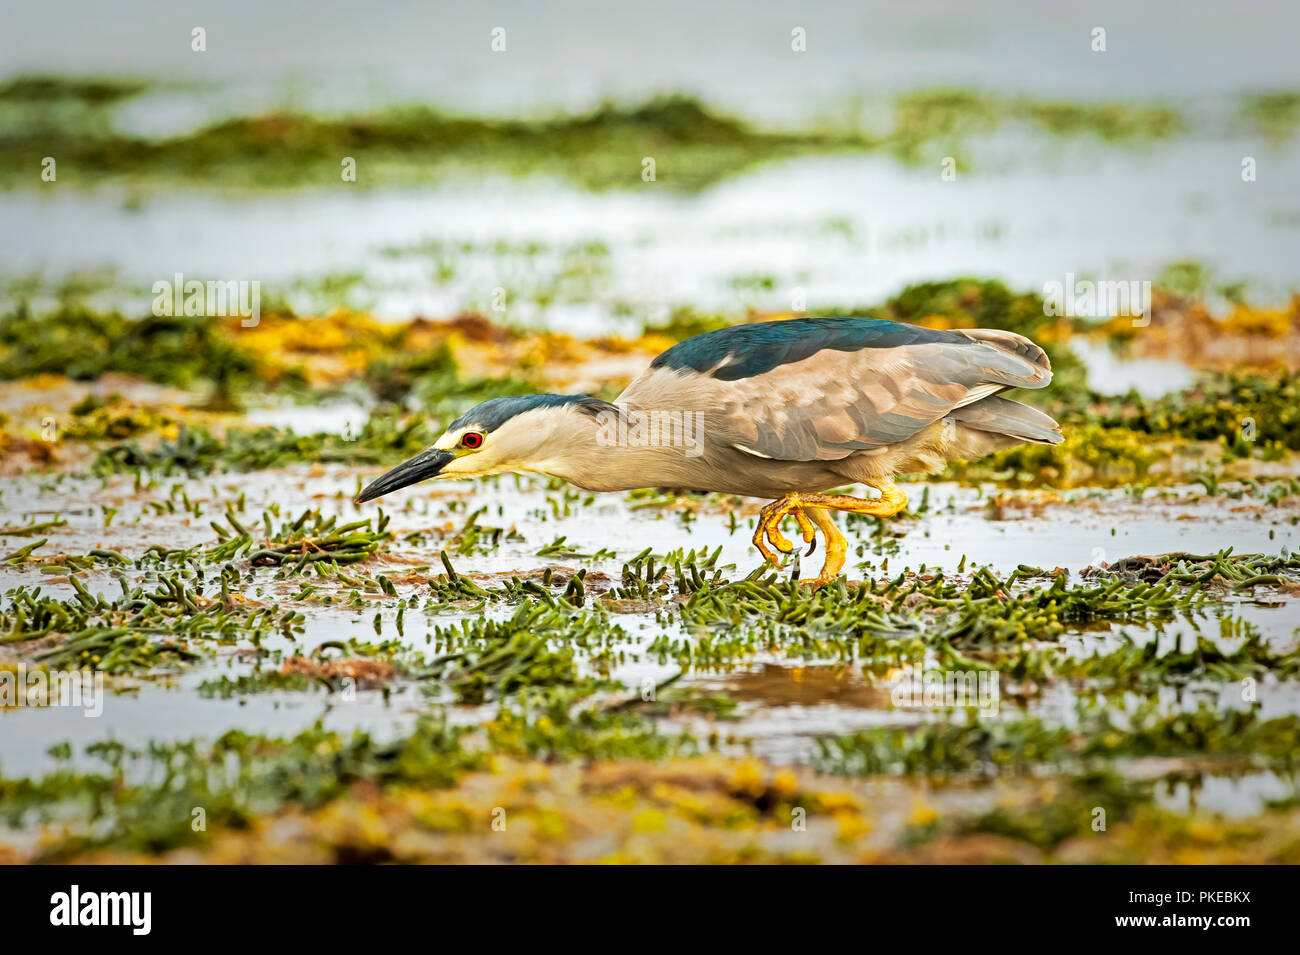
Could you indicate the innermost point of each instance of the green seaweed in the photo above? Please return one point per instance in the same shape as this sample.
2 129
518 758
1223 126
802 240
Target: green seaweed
1103 734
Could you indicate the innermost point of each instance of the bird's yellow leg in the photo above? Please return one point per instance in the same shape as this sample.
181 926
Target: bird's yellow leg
836 547
891 501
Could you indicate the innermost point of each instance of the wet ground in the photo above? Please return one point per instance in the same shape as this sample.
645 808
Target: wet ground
783 700
568 635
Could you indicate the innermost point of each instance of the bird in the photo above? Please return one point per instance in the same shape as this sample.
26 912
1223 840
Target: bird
788 411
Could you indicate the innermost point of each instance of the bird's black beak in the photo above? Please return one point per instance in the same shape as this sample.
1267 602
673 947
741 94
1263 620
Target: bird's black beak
424 465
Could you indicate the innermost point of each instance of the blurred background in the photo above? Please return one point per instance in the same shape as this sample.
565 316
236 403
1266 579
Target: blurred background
781 177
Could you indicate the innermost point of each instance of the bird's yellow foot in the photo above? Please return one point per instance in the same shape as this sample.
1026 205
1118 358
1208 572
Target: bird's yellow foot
769 526
836 548
810 509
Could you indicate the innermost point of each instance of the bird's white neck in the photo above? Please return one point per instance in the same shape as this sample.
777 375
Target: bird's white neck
633 449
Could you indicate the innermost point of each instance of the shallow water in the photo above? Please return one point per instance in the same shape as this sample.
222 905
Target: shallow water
828 232
782 703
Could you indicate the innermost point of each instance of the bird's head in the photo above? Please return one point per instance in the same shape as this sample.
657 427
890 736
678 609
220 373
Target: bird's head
529 433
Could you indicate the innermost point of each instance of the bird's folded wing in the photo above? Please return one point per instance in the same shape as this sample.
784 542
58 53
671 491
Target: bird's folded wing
834 403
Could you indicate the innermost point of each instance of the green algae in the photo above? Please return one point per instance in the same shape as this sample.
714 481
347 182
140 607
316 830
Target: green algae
1101 735
1273 115
1216 409
140 631
1071 813
494 658
91 91
196 450
693 145
601 149
83 344
143 799
233 780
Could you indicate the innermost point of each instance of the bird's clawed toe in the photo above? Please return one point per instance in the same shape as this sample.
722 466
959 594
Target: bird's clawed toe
769 526
815 583
777 539
805 526
810 511
767 552
811 517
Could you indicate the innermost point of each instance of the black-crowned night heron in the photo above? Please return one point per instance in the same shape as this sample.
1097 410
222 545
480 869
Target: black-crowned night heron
776 410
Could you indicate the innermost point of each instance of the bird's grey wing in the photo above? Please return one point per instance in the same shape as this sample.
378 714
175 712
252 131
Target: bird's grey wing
835 402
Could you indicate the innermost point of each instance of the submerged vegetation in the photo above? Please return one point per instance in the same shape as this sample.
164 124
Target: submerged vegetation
929 122
1102 734
601 149
547 670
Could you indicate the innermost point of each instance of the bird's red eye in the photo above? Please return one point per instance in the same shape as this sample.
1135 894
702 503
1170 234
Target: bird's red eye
471 439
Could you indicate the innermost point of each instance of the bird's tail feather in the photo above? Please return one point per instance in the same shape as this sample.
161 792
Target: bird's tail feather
1004 416
1010 341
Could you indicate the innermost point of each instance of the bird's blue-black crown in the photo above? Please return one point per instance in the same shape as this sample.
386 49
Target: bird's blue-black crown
495 412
